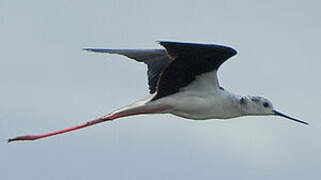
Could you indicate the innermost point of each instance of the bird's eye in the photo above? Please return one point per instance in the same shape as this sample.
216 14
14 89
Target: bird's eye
265 104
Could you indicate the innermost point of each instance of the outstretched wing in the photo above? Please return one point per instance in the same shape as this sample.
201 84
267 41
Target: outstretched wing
189 61
156 60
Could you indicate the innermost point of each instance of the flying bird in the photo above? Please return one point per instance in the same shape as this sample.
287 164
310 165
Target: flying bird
182 80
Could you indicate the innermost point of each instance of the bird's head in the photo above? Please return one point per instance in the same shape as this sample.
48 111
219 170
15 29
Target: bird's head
255 105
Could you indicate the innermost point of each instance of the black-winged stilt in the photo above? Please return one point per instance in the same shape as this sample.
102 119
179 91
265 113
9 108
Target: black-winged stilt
182 80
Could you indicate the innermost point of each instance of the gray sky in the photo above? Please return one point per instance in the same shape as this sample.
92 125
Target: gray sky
48 83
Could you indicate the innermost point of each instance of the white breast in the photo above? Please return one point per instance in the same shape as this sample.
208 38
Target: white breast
202 99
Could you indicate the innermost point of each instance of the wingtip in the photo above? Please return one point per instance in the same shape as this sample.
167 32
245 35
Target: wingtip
161 42
11 139
98 50
164 43
87 49
94 50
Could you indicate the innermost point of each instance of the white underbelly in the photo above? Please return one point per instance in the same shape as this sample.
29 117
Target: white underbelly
200 107
201 99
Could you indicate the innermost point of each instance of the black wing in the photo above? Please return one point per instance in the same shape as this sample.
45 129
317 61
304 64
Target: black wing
189 61
156 60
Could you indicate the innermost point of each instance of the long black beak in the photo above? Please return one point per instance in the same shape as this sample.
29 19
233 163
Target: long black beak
291 118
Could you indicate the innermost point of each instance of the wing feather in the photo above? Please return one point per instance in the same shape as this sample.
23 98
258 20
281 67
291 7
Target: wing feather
156 60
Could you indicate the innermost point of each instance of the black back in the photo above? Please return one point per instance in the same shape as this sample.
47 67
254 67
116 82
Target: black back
189 61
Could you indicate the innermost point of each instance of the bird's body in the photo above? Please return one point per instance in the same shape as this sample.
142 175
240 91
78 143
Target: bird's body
200 100
182 81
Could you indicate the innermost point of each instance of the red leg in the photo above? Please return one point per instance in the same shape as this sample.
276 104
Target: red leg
107 117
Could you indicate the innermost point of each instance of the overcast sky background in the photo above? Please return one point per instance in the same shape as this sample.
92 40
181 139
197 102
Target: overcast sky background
47 83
